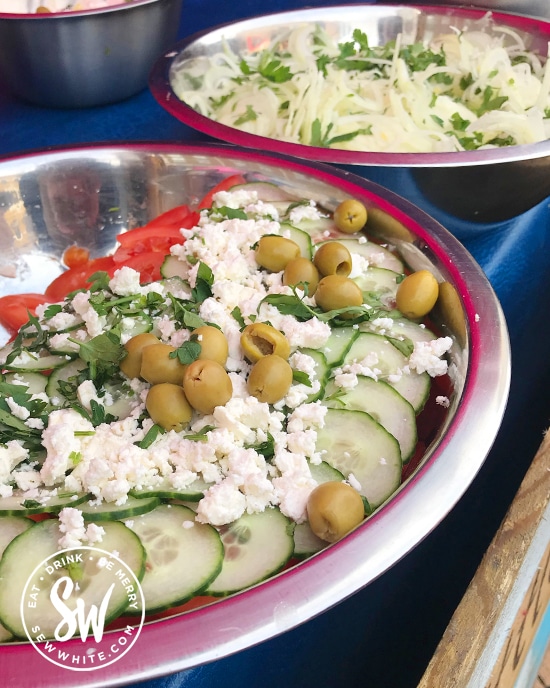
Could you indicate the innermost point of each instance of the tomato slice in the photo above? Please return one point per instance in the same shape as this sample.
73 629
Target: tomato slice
224 185
147 264
141 235
15 308
78 277
180 217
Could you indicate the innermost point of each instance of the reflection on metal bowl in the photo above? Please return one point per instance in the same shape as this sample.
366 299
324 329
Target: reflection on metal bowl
84 58
522 169
118 188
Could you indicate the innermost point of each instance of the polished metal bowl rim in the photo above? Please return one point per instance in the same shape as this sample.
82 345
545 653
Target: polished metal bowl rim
50 16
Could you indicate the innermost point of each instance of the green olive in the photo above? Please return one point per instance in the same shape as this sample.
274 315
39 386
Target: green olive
131 363
168 407
213 343
333 509
274 252
206 385
270 379
333 258
158 366
261 339
417 294
301 271
350 216
334 292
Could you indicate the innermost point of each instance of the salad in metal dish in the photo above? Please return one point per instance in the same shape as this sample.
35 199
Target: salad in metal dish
236 387
460 91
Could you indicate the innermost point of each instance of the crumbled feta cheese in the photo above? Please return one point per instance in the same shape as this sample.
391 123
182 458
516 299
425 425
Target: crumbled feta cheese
426 356
443 401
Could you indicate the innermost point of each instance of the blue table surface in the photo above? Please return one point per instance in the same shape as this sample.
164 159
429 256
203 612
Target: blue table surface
385 634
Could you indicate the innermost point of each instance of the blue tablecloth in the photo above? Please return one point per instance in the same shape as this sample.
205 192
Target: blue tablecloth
386 634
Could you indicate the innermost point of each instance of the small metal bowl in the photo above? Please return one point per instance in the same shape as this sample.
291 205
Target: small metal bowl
88 195
480 185
84 58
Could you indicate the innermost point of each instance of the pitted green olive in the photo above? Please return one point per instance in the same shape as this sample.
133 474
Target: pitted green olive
274 252
131 363
301 271
206 385
168 407
333 258
334 292
350 216
261 339
333 509
270 379
417 294
157 366
213 343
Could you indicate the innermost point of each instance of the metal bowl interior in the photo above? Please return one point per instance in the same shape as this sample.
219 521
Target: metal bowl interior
102 55
88 195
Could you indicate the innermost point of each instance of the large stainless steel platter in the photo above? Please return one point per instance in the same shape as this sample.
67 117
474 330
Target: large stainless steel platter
88 195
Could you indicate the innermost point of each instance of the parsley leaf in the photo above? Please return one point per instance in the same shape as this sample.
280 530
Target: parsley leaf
301 378
249 116
187 353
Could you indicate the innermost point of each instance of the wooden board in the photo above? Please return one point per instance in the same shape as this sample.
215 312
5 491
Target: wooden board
498 634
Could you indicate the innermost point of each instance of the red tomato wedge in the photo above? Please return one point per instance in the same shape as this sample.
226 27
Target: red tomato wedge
224 185
147 264
78 277
180 217
15 308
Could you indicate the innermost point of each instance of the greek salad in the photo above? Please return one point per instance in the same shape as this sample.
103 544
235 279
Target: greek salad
237 386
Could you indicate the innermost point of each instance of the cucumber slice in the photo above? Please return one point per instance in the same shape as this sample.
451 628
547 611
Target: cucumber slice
267 192
34 382
378 256
338 344
384 404
353 442
19 505
40 542
107 511
172 267
414 387
306 542
181 561
323 472
10 528
299 237
32 361
322 371
123 398
319 229
256 546
379 280
402 327
192 493
64 373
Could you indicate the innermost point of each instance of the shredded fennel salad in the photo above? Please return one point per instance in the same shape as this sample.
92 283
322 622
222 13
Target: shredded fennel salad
461 91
